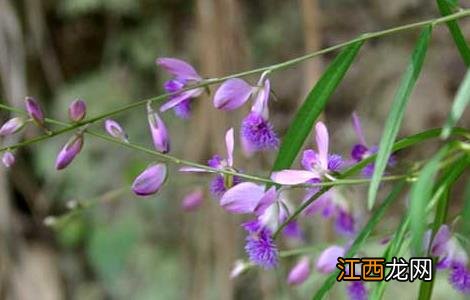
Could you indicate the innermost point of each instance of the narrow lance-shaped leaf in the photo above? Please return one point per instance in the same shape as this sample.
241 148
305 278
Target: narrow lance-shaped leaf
466 213
460 102
446 8
392 124
313 106
420 194
361 237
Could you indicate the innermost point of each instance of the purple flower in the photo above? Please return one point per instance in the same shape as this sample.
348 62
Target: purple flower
150 180
261 249
316 164
184 75
459 278
243 198
345 223
220 183
446 247
8 159
115 130
300 272
161 140
193 200
361 151
293 230
12 126
34 110
257 134
357 291
77 110
70 150
327 260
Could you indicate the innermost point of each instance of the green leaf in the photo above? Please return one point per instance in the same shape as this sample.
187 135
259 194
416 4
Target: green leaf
420 194
446 7
392 124
313 106
466 212
361 238
460 102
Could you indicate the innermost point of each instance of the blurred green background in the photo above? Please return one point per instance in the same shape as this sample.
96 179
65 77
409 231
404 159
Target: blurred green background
103 51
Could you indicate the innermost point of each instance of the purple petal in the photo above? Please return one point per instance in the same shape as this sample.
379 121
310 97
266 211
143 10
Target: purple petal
261 101
178 68
158 130
173 85
268 198
193 200
358 129
34 110
293 230
358 152
293 177
300 272
12 126
440 241
8 159
229 144
69 152
357 291
335 162
345 223
181 97
262 250
77 110
327 260
309 159
232 94
150 180
242 198
257 134
183 109
459 278
321 136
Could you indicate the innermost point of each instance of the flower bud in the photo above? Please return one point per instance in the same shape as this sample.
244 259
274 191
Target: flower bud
193 200
159 132
114 129
12 126
8 159
150 180
69 151
77 110
326 263
34 110
300 272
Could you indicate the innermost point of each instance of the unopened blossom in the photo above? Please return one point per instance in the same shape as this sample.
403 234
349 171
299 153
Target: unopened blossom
12 126
150 180
328 259
300 272
70 150
361 150
317 164
77 110
160 137
446 248
356 290
257 133
34 110
239 267
183 76
114 129
193 200
8 159
220 183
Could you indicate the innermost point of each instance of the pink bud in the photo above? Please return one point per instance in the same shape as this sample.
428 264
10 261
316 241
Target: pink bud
150 180
326 263
8 159
193 200
69 151
34 110
11 126
159 132
114 129
77 110
300 272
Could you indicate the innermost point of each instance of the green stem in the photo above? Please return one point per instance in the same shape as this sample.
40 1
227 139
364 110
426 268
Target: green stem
282 65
